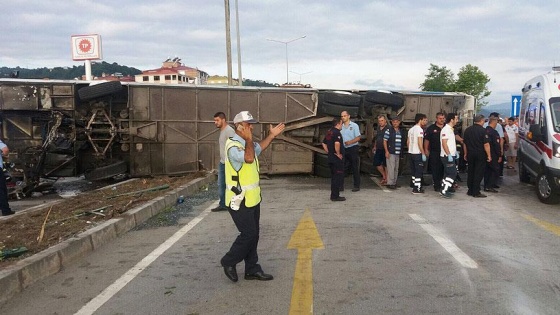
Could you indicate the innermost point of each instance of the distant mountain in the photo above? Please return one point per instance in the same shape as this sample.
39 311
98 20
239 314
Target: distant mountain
503 108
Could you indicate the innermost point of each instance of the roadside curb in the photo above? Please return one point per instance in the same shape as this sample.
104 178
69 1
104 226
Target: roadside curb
16 278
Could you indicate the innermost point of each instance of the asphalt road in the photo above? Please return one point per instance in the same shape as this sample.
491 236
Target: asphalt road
384 252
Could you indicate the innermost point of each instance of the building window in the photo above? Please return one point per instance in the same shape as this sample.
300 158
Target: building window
156 77
145 78
167 77
174 77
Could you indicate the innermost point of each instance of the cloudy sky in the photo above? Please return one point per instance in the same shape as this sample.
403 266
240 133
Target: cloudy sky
351 44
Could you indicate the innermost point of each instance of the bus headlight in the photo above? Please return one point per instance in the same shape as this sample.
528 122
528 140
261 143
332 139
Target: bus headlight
556 149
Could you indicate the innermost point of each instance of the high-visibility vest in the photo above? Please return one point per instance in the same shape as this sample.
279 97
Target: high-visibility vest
247 179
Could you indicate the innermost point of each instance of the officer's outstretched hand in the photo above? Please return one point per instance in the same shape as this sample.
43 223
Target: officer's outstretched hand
276 130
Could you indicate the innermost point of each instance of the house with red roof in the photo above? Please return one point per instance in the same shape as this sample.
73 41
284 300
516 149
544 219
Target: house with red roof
173 72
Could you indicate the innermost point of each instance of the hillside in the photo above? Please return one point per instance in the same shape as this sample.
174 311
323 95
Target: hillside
68 73
503 108
97 69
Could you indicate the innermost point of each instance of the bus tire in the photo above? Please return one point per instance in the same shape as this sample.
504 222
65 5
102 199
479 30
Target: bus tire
99 90
342 98
395 100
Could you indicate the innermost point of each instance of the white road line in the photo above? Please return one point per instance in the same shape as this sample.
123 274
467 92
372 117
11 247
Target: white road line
375 180
120 283
446 243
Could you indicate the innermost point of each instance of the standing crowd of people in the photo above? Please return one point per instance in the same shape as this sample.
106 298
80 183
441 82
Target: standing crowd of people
440 145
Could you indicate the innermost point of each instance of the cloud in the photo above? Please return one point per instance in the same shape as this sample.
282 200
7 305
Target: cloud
349 44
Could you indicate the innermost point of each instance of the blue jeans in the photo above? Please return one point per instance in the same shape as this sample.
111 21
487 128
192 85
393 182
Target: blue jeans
222 184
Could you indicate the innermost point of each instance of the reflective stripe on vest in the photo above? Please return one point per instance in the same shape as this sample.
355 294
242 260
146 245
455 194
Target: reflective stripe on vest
248 178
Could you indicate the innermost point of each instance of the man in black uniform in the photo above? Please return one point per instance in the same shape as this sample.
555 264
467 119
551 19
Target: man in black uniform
493 167
433 146
477 153
334 146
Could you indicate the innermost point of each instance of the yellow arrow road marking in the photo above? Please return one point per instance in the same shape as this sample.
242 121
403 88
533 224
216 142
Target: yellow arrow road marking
305 239
544 224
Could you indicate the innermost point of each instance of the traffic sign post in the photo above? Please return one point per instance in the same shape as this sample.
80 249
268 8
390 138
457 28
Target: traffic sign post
515 105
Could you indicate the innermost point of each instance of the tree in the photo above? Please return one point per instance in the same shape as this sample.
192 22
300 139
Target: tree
473 81
439 79
470 80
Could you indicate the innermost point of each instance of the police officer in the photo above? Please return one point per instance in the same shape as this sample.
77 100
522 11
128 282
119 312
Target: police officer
493 166
242 182
477 153
334 146
4 205
432 146
351 136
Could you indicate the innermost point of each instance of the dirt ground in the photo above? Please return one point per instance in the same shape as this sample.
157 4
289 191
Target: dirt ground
43 228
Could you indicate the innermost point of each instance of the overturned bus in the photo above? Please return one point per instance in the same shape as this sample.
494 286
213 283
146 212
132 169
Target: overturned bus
105 129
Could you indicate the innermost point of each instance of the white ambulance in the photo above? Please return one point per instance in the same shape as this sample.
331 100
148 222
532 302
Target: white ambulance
539 131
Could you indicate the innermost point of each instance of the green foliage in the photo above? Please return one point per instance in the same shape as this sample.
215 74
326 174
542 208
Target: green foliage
248 82
470 80
69 73
473 81
439 79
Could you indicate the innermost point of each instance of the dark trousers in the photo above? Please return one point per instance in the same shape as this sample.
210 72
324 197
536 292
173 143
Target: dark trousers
245 245
351 159
337 177
437 169
475 173
450 171
4 206
417 170
492 173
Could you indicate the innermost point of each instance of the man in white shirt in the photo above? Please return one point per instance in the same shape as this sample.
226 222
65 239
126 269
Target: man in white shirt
415 144
226 131
448 154
512 133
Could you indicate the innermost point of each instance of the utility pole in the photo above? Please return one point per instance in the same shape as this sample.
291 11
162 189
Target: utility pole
240 77
228 43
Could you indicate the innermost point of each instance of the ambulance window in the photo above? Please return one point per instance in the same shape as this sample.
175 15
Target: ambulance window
555 113
542 123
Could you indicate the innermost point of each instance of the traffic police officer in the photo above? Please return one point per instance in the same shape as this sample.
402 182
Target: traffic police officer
243 196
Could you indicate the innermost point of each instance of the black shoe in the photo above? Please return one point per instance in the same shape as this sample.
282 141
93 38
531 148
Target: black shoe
445 195
356 189
219 208
417 191
258 276
391 186
469 193
479 195
231 273
338 199
5 214
491 190
496 186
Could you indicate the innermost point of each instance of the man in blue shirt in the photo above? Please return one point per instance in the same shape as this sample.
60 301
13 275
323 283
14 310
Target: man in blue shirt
351 136
4 206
